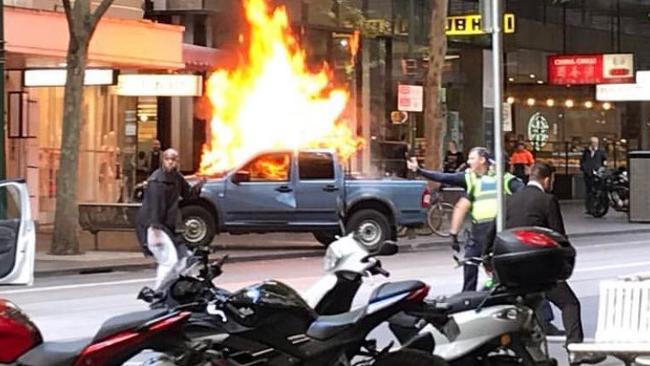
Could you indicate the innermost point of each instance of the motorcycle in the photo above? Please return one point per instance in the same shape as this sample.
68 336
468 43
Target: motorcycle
269 323
497 326
611 189
118 339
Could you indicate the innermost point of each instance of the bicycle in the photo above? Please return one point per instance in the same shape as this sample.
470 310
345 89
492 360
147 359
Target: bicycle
438 218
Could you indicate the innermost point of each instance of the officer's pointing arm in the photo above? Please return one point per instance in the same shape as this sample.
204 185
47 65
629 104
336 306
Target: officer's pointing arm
452 179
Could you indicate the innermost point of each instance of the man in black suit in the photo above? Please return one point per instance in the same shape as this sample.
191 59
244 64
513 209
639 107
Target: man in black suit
532 206
593 158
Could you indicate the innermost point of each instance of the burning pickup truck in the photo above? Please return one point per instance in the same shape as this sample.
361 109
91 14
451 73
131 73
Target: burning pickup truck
302 191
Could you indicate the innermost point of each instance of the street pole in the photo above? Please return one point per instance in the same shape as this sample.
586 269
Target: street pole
497 70
411 56
3 173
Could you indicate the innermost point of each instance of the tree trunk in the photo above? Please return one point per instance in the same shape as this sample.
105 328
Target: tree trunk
434 120
65 240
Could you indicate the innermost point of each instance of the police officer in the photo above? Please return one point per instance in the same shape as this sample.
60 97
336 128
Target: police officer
480 200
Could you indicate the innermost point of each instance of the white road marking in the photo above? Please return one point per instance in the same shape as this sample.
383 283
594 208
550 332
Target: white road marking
235 284
613 266
151 280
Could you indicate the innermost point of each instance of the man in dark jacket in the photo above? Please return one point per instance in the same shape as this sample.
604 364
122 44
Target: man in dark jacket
156 220
593 158
532 206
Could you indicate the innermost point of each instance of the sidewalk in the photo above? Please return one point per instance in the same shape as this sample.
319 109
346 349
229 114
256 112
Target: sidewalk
119 251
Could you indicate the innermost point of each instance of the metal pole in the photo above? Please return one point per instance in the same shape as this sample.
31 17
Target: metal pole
411 46
497 70
3 173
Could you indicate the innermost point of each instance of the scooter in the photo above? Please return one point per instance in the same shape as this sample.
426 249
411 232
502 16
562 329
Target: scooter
118 339
498 325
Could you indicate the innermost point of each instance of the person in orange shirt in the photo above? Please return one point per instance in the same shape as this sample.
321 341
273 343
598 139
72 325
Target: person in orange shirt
521 161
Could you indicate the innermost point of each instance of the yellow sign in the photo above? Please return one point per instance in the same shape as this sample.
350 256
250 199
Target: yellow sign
470 25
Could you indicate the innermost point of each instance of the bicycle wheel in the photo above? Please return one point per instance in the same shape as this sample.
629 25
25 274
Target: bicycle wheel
439 219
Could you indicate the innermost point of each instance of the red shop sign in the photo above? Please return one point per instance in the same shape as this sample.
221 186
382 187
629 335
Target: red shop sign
591 69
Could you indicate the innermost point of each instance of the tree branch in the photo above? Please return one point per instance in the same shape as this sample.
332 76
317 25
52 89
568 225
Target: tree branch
68 15
98 14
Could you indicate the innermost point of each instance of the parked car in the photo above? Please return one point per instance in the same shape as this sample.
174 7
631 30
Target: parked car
17 234
303 191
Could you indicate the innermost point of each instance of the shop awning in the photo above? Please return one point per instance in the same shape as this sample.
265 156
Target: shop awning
117 42
200 58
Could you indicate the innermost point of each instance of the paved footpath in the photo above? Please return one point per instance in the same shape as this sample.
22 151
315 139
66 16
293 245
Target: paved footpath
119 251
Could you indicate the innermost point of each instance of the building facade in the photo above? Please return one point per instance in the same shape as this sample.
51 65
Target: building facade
110 126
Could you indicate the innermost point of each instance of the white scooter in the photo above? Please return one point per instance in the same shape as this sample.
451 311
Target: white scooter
498 326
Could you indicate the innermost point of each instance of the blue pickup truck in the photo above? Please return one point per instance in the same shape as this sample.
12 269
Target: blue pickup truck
303 191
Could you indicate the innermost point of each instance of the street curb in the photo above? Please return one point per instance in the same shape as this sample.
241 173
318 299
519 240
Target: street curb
436 245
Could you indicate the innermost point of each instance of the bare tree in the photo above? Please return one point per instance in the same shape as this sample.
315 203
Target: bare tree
82 22
435 124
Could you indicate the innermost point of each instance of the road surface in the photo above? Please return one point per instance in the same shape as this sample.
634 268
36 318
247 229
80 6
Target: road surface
75 306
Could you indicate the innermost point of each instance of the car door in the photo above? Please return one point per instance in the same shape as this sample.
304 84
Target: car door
317 189
266 198
17 234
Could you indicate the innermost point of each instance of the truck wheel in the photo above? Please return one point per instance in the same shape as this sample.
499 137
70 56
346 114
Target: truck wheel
372 227
200 225
325 237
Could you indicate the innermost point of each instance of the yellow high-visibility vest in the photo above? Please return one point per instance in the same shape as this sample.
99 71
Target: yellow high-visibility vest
482 192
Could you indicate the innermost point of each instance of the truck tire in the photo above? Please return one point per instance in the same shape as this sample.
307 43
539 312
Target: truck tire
372 227
325 237
200 225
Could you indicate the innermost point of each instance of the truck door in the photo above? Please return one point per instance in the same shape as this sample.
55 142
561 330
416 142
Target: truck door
317 189
266 194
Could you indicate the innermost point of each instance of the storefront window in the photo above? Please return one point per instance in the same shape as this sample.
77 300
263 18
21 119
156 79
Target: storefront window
100 167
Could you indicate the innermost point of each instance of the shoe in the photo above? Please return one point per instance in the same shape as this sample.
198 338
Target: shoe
552 331
585 358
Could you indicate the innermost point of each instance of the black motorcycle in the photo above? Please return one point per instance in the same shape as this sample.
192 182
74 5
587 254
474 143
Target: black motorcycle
270 324
611 189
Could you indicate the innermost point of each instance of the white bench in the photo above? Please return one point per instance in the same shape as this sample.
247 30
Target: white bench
623 329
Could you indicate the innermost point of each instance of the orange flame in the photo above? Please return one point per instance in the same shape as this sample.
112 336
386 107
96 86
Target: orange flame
274 168
354 46
272 101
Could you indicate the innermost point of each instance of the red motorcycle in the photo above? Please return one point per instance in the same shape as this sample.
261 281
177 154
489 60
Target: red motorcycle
118 339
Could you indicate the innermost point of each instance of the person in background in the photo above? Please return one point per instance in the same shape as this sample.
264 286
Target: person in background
521 161
454 159
593 158
480 184
157 217
155 157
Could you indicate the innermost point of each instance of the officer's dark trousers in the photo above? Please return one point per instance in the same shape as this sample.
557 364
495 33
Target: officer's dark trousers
566 300
474 248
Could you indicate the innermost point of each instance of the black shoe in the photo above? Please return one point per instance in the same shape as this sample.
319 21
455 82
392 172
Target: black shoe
585 358
552 331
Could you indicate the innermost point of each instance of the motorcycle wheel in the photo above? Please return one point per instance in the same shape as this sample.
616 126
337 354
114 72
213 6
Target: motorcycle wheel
409 357
598 205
